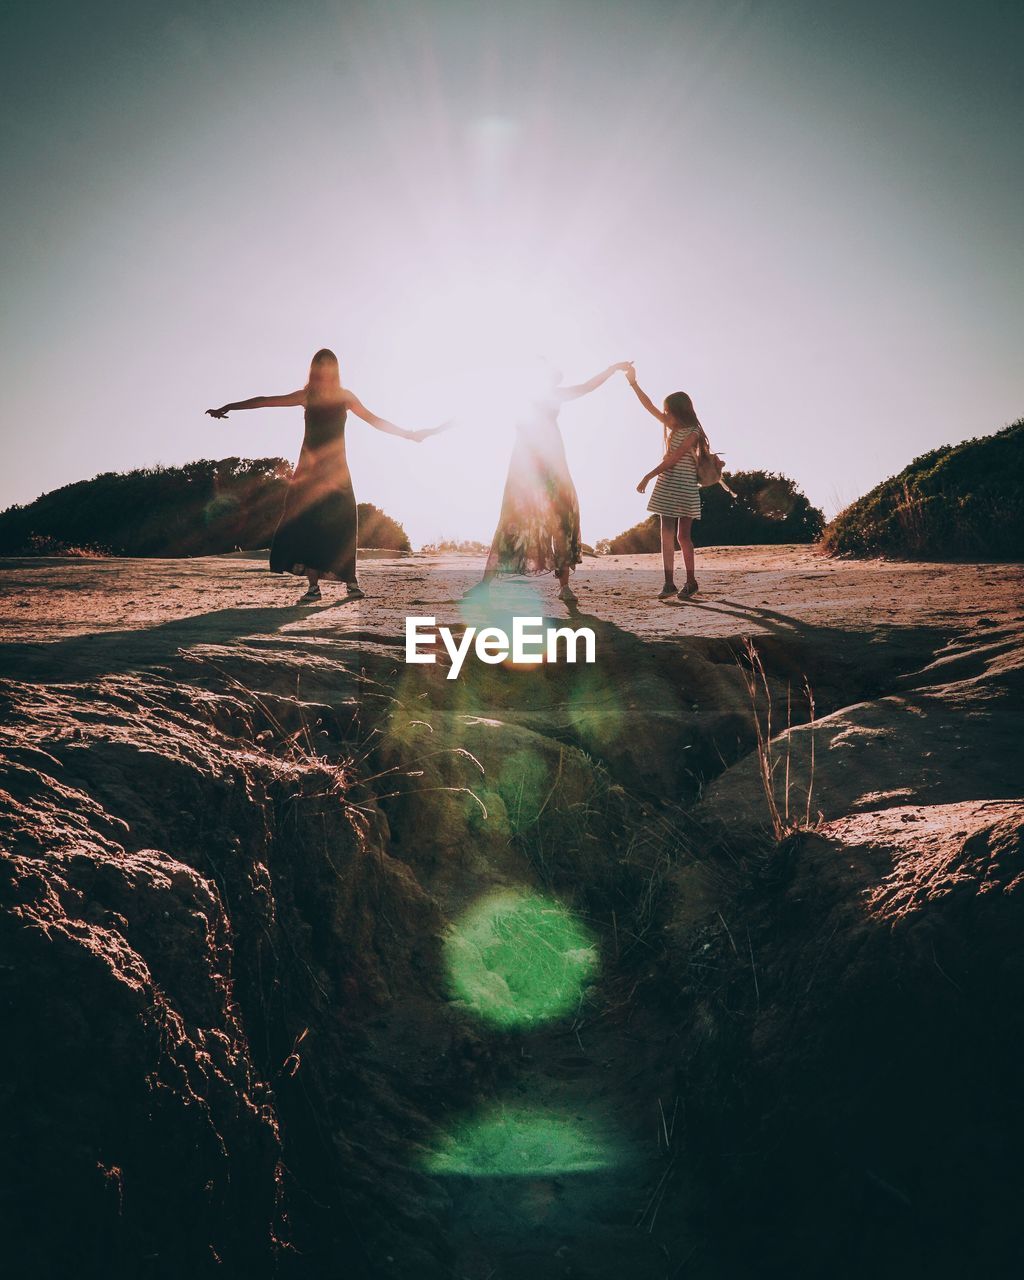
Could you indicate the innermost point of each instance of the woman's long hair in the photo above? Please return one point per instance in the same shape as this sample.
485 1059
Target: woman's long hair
324 382
680 406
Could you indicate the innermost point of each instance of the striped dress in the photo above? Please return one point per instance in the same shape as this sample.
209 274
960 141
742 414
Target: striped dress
676 492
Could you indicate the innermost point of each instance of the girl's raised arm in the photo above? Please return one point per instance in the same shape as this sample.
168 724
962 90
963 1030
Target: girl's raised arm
642 395
289 401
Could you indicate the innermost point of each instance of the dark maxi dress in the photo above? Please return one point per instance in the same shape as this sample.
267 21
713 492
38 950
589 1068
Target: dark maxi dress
318 525
539 526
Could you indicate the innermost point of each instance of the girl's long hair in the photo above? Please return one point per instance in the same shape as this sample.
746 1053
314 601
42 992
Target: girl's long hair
680 406
324 382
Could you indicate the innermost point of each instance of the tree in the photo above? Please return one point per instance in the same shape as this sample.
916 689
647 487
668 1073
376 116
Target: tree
378 530
204 508
768 508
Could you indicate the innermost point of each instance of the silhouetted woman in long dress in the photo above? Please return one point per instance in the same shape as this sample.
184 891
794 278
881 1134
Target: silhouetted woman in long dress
316 536
539 526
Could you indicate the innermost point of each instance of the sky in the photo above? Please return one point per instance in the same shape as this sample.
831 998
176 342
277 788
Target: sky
805 213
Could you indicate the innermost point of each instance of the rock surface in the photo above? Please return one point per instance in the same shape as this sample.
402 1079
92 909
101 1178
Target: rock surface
235 834
851 1082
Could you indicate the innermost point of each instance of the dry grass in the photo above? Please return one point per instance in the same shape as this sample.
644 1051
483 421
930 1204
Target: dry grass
783 813
342 765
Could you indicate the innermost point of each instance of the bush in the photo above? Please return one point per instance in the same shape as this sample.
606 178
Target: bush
464 546
768 508
962 501
378 530
204 508
38 545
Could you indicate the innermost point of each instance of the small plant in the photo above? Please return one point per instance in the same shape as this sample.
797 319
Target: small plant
910 515
784 816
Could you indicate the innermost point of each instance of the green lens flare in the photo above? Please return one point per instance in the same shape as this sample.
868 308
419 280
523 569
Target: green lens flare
517 959
220 507
524 783
522 1141
596 710
500 604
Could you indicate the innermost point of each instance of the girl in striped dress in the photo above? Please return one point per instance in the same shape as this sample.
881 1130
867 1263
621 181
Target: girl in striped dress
676 495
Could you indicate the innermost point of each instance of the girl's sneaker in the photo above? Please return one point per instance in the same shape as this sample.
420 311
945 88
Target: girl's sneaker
689 590
311 596
354 591
567 595
667 591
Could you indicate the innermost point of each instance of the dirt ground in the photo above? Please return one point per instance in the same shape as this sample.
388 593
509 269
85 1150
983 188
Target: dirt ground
744 590
917 669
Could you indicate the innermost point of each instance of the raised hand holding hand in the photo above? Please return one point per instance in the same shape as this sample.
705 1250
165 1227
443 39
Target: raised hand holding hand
217 413
419 436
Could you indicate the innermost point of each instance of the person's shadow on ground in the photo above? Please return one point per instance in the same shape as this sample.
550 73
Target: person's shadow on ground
101 653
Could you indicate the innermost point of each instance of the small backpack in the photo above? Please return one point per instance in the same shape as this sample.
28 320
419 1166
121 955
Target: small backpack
710 466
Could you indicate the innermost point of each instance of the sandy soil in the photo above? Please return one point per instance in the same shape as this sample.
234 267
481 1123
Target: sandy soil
744 590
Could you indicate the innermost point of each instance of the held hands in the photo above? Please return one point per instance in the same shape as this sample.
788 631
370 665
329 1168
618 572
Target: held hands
419 436
629 369
217 413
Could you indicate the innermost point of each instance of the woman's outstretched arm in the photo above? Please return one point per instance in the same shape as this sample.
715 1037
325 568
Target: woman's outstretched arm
670 459
353 402
585 388
292 399
642 395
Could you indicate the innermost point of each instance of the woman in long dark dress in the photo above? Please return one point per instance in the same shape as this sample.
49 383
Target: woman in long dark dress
316 536
539 526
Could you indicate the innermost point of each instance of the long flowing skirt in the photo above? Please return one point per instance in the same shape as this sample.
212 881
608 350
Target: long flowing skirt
539 526
317 529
